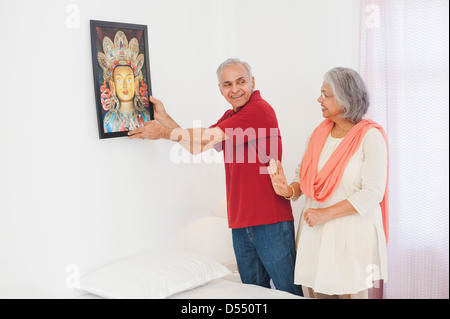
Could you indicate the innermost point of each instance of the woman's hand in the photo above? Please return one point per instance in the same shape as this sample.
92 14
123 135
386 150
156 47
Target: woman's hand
279 182
315 216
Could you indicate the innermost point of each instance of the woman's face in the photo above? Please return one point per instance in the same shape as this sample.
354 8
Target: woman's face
124 83
330 107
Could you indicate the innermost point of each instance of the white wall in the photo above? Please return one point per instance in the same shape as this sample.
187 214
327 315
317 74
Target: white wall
67 197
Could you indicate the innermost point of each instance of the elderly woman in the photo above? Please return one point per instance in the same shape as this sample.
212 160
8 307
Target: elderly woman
341 245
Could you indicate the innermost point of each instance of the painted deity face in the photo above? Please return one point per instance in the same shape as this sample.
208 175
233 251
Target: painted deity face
124 83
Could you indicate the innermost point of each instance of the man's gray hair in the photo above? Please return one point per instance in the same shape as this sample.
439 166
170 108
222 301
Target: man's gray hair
350 92
233 61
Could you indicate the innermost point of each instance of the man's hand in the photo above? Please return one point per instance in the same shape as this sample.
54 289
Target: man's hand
150 131
161 115
158 108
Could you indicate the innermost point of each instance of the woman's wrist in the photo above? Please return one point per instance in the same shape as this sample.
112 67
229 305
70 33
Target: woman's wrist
290 197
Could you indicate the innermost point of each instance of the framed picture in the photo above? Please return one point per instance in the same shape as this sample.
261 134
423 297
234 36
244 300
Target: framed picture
122 81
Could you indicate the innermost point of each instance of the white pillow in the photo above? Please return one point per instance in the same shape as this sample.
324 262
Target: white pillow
152 275
208 236
221 209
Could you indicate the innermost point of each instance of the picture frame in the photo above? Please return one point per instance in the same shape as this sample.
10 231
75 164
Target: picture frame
122 80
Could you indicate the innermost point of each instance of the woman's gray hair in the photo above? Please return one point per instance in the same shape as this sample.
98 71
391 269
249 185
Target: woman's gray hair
350 92
231 62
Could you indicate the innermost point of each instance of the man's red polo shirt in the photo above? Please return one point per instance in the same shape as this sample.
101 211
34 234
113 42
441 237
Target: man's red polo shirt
253 139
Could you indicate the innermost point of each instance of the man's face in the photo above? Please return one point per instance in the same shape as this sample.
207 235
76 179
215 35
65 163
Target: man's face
236 85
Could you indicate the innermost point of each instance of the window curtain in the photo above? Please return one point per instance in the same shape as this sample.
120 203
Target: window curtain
404 60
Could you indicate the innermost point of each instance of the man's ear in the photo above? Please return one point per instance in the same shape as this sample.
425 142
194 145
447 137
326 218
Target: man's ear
253 83
220 89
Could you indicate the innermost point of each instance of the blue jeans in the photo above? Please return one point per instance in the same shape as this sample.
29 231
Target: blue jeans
267 252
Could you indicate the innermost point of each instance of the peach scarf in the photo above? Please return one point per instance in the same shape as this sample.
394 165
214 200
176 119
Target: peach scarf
320 186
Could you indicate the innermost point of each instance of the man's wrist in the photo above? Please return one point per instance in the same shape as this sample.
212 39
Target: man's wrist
166 133
161 117
166 121
176 134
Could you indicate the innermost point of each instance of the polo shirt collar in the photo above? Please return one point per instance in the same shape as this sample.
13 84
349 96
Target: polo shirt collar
256 96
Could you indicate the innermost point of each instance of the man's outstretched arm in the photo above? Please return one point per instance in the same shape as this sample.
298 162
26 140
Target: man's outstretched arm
195 140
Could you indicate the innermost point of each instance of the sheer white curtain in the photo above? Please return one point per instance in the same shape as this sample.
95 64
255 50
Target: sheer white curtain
404 58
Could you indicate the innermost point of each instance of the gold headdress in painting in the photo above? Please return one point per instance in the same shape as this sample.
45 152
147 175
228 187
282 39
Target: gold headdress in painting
120 53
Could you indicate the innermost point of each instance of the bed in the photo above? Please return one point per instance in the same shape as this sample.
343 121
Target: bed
229 287
198 263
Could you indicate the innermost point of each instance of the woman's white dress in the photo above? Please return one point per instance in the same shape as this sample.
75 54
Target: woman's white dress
345 255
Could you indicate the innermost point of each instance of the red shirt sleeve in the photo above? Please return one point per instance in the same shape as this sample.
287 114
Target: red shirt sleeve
219 146
252 122
255 125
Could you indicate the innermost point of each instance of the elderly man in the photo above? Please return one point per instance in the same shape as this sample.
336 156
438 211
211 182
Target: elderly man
262 222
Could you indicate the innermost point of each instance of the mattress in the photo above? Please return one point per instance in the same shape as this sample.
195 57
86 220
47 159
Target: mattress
228 287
